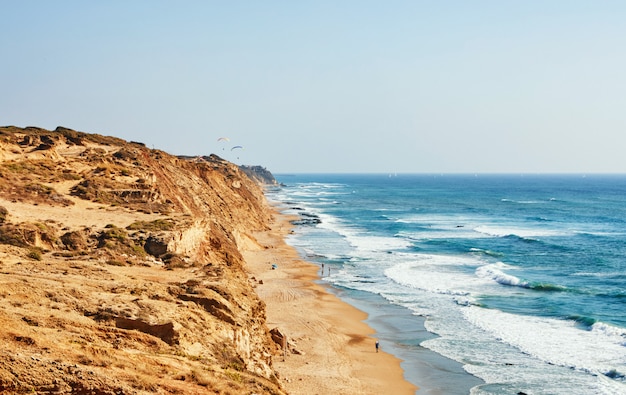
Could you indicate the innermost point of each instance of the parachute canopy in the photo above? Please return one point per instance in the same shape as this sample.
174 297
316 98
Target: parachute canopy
237 146
223 139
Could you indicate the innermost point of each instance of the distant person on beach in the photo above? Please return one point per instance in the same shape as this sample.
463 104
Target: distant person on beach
377 345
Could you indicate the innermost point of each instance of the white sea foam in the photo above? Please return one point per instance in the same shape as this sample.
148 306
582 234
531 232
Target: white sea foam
361 241
502 231
486 252
599 233
523 201
470 227
558 342
618 335
438 274
598 275
495 272
443 233
442 220
367 243
327 221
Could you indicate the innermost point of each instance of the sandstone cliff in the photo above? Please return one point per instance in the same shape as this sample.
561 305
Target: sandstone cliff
121 270
259 174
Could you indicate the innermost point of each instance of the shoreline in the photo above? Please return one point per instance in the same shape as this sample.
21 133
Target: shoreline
332 348
402 332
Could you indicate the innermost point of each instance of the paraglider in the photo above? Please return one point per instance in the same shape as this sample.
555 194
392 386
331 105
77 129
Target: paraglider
223 139
237 147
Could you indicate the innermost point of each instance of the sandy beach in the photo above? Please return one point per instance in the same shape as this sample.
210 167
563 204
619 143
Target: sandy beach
331 349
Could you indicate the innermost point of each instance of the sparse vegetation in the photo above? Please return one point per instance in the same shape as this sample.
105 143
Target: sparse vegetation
153 226
115 262
34 253
19 167
10 234
24 181
235 376
38 189
26 234
174 261
113 232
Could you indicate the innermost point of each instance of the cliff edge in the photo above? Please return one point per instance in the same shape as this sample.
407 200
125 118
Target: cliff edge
121 270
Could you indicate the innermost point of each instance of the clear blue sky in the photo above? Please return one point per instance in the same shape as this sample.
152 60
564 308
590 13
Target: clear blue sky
330 86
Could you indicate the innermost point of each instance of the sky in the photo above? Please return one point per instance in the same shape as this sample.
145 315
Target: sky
341 86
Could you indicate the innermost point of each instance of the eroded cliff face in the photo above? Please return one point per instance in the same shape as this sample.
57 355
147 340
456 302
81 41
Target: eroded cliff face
120 270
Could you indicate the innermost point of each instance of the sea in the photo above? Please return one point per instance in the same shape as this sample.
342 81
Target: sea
480 283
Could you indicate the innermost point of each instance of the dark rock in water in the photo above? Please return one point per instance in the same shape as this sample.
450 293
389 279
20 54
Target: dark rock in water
307 219
305 222
309 215
614 374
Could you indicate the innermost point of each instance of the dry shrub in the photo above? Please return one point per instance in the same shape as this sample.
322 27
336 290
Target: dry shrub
203 378
75 240
34 253
27 234
153 226
174 261
100 356
143 384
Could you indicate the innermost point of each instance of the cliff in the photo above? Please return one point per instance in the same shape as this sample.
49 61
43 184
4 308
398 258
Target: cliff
121 270
259 174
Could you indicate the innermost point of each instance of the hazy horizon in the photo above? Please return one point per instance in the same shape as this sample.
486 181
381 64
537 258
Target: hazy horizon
331 87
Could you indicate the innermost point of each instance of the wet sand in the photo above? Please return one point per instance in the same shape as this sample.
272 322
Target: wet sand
331 349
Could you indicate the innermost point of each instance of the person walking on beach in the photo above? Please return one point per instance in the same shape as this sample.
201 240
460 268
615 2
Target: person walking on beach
377 345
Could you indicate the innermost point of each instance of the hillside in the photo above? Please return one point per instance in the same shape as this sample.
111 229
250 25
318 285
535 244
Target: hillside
121 270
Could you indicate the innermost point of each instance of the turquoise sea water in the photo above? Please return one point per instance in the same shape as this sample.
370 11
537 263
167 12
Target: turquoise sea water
520 280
